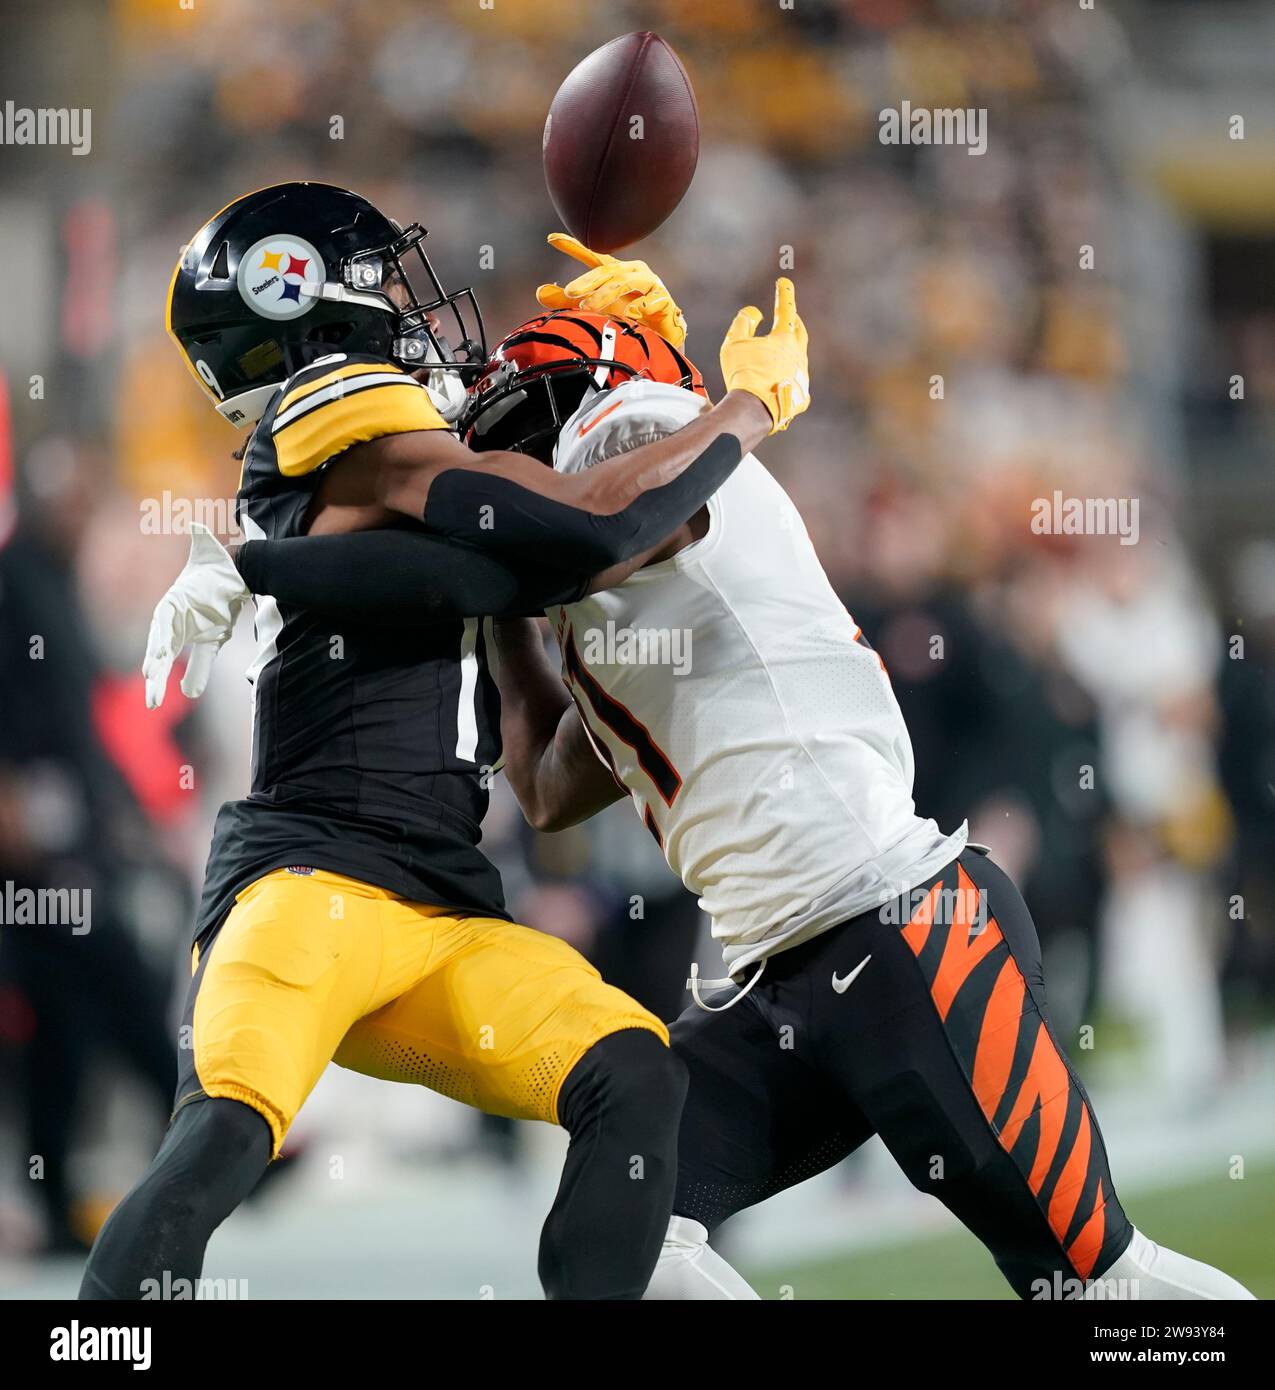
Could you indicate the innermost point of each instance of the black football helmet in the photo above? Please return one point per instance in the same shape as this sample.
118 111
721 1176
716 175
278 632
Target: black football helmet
297 271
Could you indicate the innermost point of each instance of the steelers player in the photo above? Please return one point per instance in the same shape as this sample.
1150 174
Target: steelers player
348 912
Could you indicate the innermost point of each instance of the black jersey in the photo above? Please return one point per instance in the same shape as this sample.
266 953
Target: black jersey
373 743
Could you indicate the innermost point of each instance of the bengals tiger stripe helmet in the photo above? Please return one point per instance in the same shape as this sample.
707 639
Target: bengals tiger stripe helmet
535 380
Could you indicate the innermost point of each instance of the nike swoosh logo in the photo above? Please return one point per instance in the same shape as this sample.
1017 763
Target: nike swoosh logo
845 981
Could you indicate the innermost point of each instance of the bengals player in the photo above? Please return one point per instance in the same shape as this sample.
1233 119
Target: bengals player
883 977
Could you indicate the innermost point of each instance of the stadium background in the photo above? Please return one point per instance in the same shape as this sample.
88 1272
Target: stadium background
1154 888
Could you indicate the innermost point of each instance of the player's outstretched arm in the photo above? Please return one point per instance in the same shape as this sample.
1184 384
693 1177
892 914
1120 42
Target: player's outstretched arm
388 577
391 576
396 576
399 576
551 764
589 521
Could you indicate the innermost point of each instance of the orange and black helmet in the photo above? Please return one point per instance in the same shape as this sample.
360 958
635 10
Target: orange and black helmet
537 377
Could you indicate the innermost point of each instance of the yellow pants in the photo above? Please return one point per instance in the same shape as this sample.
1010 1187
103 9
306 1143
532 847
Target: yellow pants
313 968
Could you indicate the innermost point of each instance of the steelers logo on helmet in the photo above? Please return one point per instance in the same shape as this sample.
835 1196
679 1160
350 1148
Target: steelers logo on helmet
275 275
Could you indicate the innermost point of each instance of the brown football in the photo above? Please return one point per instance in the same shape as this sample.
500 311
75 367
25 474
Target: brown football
621 141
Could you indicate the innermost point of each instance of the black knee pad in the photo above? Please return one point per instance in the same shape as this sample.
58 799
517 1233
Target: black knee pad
627 1075
234 1127
622 1105
224 1131
214 1152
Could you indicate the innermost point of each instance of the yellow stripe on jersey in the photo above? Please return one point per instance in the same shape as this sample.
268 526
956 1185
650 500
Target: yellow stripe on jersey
299 393
306 436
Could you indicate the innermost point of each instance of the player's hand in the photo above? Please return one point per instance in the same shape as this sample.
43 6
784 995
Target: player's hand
200 609
628 290
775 368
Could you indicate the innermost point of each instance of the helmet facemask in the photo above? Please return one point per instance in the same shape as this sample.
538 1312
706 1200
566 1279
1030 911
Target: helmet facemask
523 412
441 328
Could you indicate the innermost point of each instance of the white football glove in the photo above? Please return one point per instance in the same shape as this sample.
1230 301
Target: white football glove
200 609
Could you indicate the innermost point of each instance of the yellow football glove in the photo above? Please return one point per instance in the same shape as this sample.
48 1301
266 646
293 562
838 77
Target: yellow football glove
775 368
628 290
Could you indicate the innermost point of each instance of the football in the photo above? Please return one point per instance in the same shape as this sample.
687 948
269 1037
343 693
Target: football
621 141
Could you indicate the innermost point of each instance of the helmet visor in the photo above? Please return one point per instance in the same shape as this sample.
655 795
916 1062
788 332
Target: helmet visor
524 413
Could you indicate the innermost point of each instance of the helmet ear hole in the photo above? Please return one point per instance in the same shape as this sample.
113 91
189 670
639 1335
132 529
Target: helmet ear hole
330 334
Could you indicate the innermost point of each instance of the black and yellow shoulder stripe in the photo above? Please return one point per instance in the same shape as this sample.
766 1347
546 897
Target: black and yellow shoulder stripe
323 412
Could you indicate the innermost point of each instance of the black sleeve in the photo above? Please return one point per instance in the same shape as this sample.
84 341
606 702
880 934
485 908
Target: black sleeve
492 512
397 576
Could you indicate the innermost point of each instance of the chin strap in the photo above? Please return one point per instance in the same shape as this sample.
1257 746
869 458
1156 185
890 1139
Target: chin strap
607 353
447 392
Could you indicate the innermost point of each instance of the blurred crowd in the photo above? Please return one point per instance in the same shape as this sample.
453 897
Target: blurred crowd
1102 714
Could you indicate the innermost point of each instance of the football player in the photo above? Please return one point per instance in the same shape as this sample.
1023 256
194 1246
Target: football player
883 977
348 912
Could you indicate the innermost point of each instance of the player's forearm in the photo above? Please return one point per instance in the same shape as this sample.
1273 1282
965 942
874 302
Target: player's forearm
615 483
556 777
396 577
588 522
626 505
532 702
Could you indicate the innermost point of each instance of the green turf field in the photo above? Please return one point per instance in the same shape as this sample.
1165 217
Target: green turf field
1226 1222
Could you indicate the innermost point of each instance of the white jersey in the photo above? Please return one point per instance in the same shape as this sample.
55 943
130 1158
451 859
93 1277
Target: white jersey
728 688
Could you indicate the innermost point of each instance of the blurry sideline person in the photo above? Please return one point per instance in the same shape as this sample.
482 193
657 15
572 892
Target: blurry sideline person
1135 632
1246 764
83 991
